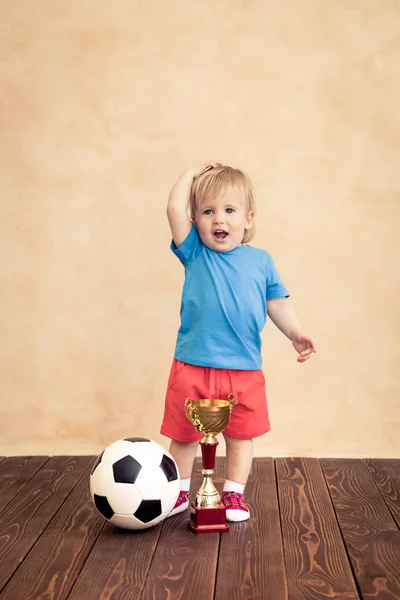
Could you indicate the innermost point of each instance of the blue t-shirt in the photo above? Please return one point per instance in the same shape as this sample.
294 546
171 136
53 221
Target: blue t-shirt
224 308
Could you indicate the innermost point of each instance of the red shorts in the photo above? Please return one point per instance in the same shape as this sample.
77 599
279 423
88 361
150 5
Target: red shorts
249 417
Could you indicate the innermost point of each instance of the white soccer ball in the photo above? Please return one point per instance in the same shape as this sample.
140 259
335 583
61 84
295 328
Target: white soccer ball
135 483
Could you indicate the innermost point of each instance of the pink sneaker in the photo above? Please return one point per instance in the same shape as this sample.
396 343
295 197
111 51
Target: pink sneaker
181 504
236 509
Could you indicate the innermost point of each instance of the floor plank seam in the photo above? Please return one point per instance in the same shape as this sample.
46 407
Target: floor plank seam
84 563
280 518
2 588
49 524
381 494
26 483
216 567
341 535
23 559
152 559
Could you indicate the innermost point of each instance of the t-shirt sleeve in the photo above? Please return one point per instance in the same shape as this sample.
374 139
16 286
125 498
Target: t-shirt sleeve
275 286
190 248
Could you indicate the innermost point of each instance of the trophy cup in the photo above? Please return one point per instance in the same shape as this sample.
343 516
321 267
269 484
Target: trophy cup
209 417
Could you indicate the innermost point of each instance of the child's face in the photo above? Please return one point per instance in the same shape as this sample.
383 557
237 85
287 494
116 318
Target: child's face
221 222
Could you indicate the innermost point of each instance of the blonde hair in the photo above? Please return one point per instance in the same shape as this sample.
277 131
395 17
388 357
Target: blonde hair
207 186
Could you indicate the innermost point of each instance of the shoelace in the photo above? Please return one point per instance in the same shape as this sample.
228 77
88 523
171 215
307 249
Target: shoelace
239 499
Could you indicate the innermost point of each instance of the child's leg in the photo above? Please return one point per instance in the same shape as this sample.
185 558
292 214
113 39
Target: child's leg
184 454
239 457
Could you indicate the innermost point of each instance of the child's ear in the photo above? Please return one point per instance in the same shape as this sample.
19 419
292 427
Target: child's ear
249 219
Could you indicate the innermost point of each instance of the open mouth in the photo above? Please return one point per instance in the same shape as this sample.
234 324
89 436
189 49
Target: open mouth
220 234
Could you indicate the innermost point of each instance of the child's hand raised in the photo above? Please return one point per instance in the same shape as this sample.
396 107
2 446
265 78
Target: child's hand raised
305 346
178 201
199 169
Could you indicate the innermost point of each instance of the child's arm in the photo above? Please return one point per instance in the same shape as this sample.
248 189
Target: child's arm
178 218
283 316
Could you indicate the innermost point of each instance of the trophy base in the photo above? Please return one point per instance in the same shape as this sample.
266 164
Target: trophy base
208 520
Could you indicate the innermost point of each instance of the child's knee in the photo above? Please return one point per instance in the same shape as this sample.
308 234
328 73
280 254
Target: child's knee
231 441
185 444
183 447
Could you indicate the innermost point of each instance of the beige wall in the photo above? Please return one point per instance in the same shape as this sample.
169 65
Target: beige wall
102 105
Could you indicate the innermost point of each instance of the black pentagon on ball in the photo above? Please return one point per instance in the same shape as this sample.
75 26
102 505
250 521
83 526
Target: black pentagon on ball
103 506
126 470
148 510
136 440
168 466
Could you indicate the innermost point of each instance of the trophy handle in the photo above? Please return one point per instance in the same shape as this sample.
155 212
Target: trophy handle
188 409
232 400
192 416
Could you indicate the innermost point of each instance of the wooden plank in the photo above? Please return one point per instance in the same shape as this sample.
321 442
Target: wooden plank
316 562
24 520
369 531
185 563
251 562
15 472
118 564
386 474
53 564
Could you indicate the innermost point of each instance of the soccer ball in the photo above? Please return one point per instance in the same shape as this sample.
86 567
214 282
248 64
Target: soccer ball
134 483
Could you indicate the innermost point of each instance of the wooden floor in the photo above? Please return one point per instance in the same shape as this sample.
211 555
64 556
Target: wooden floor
319 529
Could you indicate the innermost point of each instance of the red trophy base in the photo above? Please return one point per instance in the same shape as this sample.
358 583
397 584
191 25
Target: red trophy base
208 520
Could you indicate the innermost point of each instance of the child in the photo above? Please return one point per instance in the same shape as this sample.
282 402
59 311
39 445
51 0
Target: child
229 288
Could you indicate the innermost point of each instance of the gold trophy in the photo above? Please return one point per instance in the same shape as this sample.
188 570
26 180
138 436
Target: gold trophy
209 417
